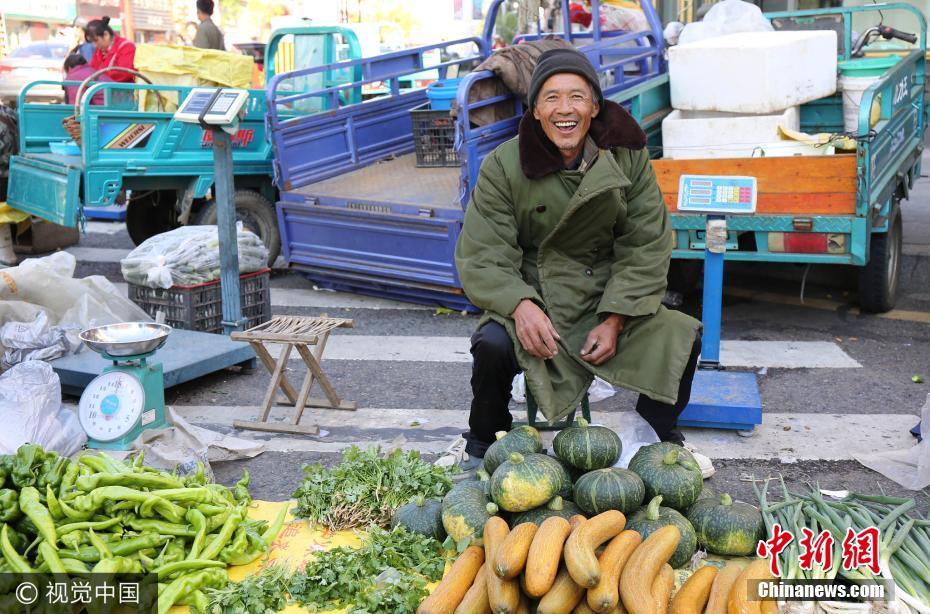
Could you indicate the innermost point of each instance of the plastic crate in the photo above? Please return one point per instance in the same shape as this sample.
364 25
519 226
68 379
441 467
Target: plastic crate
200 307
433 137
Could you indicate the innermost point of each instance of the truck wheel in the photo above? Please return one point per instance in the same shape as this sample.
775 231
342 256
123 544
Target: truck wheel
257 214
150 214
878 280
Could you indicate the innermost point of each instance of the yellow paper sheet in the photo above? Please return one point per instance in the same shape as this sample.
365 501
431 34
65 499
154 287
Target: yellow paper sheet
297 544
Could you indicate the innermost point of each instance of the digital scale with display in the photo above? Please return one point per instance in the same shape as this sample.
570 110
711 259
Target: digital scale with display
719 398
218 110
129 396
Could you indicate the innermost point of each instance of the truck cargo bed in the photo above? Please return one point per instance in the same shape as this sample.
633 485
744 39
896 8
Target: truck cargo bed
394 181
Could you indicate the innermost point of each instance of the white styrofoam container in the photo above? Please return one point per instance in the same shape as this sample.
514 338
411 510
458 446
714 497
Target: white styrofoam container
712 134
753 72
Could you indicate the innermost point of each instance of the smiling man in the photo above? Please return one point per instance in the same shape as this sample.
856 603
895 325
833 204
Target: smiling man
566 246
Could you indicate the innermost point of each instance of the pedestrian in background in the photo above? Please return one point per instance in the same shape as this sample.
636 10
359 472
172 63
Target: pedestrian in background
208 36
111 50
77 69
82 40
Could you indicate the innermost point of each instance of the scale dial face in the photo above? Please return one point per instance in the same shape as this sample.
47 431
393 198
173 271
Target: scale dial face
111 406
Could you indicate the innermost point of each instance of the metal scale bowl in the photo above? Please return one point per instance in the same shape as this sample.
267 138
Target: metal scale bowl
129 396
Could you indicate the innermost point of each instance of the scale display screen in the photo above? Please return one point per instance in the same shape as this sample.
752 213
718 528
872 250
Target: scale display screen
717 194
223 109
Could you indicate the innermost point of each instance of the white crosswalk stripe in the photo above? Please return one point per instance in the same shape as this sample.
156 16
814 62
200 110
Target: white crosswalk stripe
323 299
747 354
782 436
98 254
104 228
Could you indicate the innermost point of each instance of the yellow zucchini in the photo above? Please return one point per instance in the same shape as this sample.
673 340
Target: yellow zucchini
606 595
720 591
584 608
580 559
545 553
739 601
503 595
511 556
642 568
693 594
564 595
662 588
450 592
476 599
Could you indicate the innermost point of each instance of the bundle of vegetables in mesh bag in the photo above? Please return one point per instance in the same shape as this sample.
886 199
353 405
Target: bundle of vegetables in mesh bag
188 256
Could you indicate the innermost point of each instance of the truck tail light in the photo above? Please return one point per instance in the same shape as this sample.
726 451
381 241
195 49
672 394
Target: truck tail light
807 243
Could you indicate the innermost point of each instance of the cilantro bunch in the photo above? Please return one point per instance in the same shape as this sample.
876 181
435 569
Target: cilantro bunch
388 573
262 593
365 487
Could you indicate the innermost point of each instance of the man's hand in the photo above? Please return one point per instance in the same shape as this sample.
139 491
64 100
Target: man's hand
535 330
601 344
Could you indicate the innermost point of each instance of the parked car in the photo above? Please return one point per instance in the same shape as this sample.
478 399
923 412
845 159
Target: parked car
33 62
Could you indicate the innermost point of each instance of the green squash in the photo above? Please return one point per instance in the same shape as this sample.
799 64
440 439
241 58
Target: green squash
525 482
465 509
587 447
669 470
567 478
523 439
706 493
653 517
556 507
727 527
609 489
421 515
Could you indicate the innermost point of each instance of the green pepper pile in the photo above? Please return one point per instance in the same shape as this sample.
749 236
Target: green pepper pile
100 515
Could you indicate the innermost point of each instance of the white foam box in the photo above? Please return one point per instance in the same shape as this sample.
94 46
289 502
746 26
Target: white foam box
753 72
713 134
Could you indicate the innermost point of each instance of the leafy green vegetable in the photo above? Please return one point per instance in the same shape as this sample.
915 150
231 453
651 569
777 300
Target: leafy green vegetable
262 593
388 573
366 487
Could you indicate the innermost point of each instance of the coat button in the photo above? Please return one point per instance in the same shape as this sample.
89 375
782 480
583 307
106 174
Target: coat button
540 208
588 272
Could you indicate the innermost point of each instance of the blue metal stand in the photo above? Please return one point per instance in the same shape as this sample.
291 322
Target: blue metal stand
226 226
719 399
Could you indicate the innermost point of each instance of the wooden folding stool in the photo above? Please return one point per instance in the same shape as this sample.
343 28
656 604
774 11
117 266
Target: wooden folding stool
293 332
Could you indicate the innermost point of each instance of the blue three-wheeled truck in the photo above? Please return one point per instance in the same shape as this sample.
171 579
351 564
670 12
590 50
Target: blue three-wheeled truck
357 213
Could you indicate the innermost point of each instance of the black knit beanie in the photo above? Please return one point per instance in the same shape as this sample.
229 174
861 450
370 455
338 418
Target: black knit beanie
557 61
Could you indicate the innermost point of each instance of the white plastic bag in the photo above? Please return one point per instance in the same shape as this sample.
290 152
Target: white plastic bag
726 17
188 256
34 340
911 467
518 388
31 410
615 18
634 433
48 285
598 391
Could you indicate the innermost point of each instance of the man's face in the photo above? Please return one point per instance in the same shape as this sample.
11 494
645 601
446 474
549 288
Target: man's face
565 107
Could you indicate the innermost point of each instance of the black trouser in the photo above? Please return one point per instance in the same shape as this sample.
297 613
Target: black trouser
493 370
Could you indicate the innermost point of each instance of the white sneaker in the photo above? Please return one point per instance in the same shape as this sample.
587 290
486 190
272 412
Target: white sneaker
456 456
704 462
